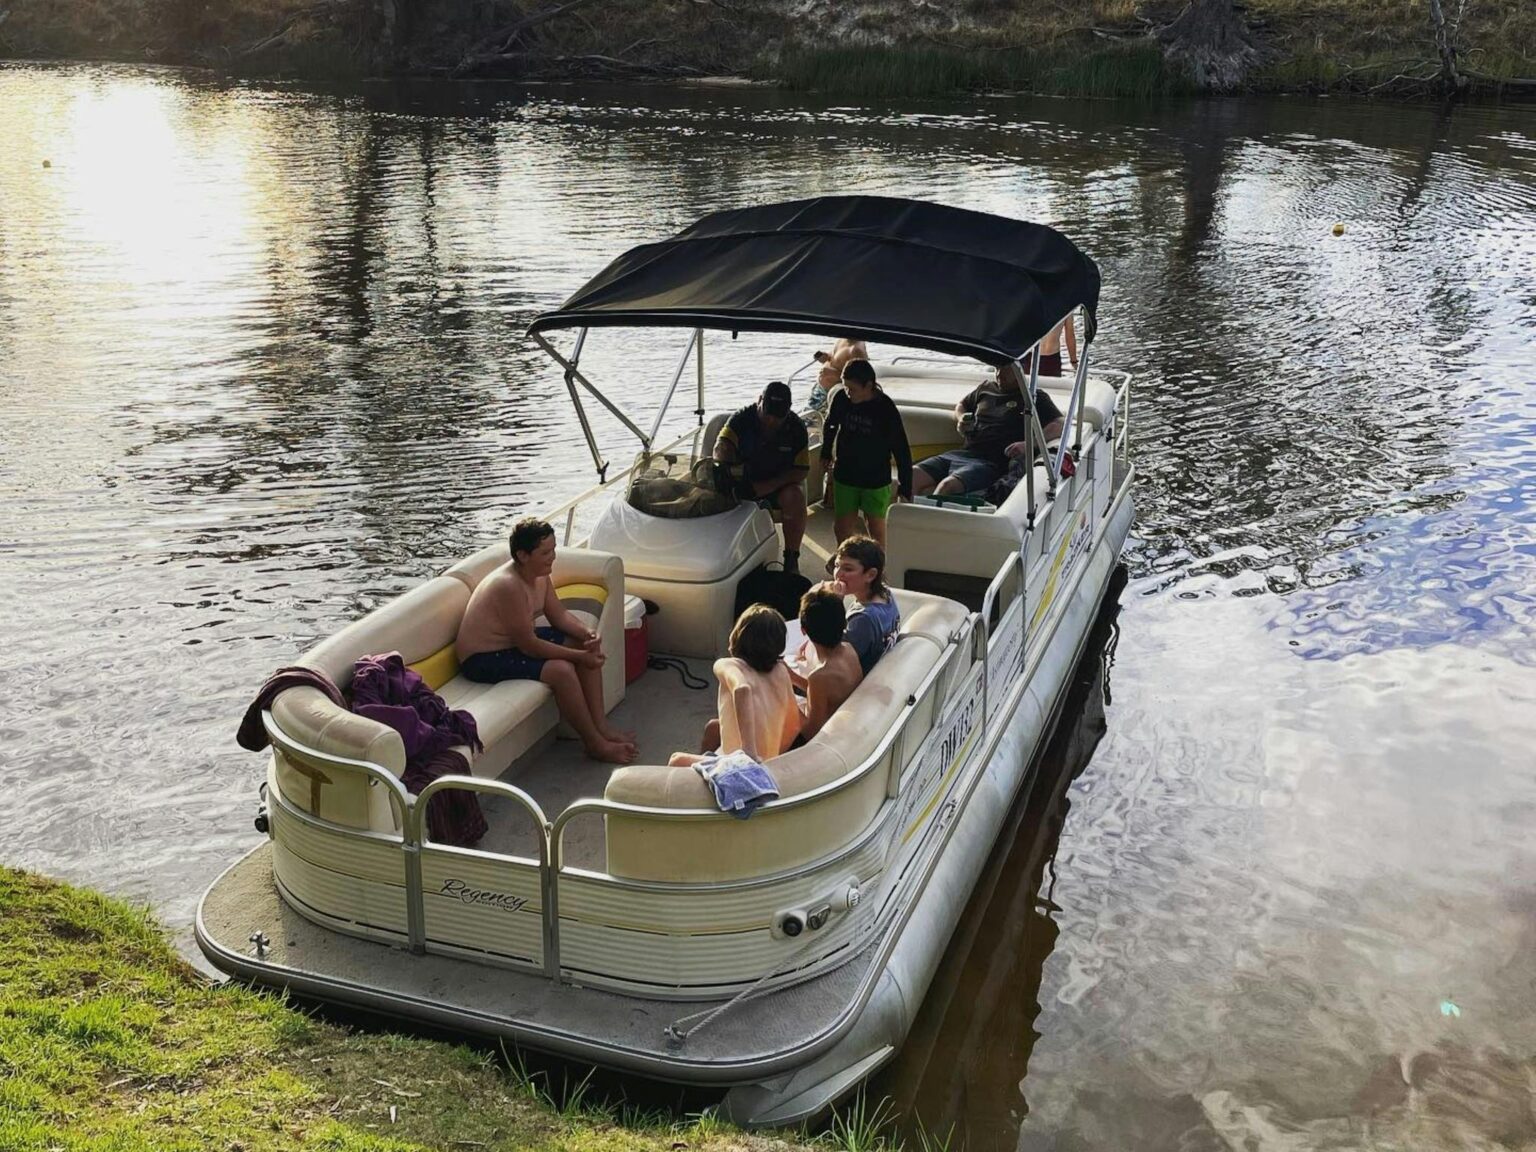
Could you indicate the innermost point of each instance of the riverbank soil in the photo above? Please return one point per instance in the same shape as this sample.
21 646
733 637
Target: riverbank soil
861 47
108 1040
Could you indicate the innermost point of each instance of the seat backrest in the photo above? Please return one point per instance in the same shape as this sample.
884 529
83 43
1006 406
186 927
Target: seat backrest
1098 398
416 625
711 434
929 431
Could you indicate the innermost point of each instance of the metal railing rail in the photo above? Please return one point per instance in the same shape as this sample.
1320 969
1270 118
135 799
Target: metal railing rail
530 806
312 757
795 375
1122 445
889 751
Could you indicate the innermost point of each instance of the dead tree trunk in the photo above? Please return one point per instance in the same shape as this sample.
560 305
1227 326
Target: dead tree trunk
1211 39
1450 79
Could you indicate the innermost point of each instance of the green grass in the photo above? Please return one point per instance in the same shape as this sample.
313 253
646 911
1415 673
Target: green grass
110 1043
1134 70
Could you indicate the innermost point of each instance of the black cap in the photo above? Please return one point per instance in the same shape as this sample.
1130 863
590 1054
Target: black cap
776 399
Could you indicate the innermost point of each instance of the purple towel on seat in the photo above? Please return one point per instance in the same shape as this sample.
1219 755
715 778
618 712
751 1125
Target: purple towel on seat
384 689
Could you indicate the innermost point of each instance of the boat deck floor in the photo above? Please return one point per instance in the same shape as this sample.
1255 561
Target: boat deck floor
523 1007
665 715
820 542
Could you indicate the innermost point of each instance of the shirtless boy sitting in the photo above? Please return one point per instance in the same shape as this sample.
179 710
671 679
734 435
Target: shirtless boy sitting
834 670
498 641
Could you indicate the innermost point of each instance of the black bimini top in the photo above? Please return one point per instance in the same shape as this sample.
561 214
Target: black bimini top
903 271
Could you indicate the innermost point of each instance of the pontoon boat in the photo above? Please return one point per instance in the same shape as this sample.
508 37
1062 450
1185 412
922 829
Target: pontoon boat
617 916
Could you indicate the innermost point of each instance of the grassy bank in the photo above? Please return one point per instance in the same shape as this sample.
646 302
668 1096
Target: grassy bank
108 1041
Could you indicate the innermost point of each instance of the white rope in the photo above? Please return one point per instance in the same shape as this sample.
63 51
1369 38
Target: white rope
678 1035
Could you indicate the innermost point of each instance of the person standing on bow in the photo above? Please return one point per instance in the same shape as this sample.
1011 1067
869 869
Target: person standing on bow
832 363
863 434
767 449
1050 349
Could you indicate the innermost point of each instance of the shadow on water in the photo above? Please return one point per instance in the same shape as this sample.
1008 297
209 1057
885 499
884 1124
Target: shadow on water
964 1062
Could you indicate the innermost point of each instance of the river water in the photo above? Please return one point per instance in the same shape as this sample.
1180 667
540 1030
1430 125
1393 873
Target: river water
261 369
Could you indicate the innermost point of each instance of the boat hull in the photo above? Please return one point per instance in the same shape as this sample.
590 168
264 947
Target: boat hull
1008 763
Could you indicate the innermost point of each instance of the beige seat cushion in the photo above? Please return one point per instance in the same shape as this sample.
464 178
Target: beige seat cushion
511 716
415 625
1098 398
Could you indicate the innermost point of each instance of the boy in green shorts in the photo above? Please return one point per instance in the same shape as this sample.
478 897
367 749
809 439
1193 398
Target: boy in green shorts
862 434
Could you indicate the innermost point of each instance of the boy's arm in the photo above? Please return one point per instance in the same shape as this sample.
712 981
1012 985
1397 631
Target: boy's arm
559 617
967 404
516 613
816 711
831 425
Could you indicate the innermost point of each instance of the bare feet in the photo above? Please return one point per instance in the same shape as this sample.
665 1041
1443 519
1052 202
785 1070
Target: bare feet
613 752
617 735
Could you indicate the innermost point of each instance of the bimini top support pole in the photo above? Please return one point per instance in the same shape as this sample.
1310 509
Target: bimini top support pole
698 349
677 377
571 376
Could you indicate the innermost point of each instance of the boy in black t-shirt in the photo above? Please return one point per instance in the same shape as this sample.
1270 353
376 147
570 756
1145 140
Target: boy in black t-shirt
863 433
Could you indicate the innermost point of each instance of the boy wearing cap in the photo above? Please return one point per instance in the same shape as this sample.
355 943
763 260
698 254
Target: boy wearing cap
767 447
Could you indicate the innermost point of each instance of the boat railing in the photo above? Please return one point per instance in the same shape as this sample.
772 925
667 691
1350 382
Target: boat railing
417 833
1122 444
311 760
891 754
795 375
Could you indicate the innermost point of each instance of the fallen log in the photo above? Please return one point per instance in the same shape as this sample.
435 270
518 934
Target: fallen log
286 27
503 37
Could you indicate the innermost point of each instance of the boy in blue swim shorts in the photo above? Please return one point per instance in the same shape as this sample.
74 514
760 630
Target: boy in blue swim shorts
498 640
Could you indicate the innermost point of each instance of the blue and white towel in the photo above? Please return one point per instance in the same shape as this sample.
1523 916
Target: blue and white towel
739 782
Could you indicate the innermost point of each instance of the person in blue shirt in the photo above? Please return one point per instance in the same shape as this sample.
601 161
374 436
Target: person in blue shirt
873 624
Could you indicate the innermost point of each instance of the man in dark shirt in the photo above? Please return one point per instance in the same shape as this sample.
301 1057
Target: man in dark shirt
993 418
767 448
